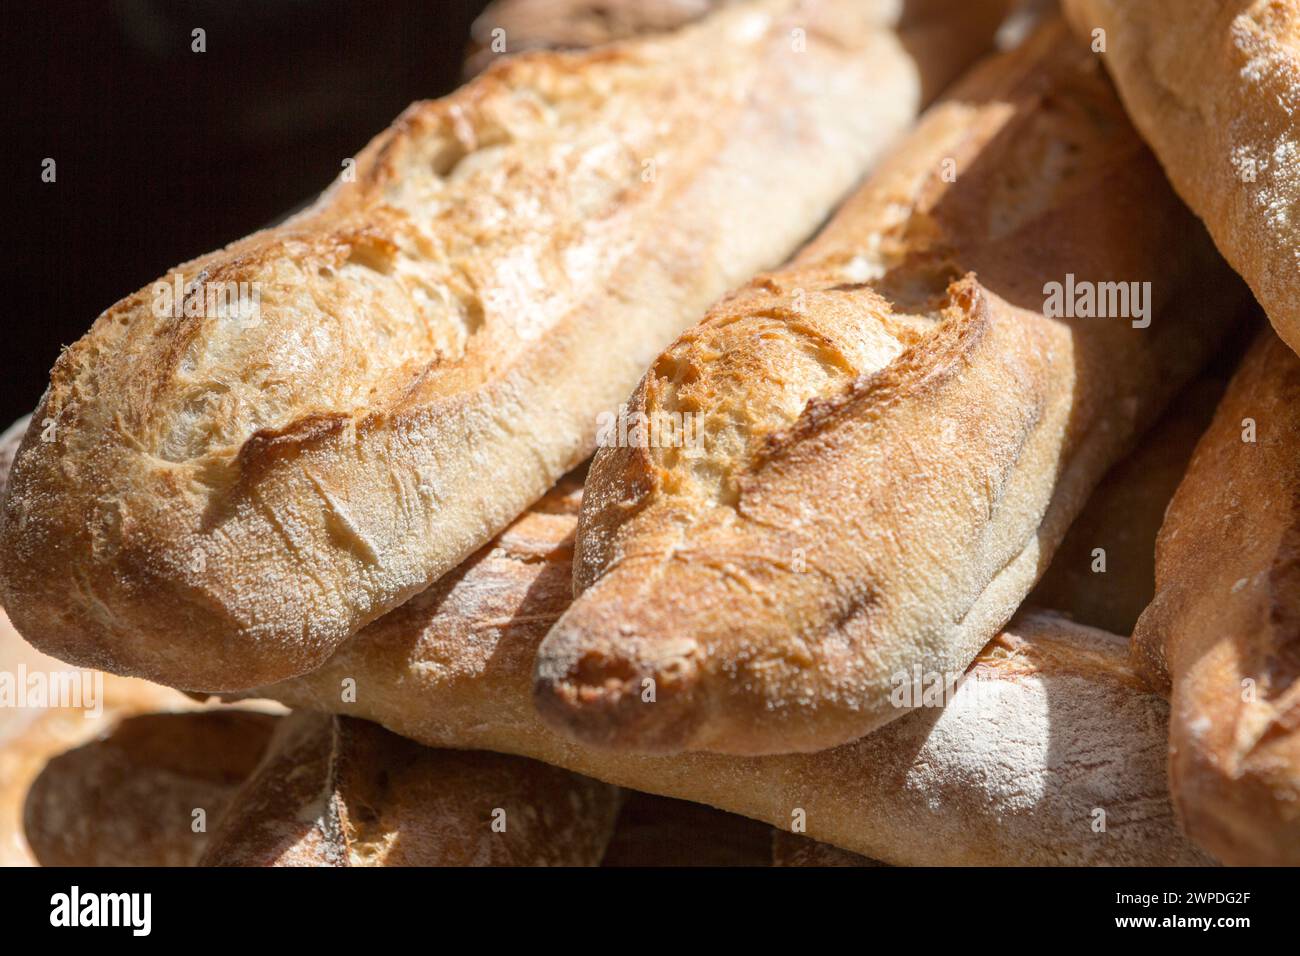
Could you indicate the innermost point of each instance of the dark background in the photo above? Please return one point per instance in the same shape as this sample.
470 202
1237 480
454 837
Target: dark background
163 153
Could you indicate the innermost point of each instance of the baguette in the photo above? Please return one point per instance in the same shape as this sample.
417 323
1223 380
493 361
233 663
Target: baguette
32 735
895 436
224 498
129 797
1055 727
1222 634
1122 518
334 791
106 793
1214 86
27 744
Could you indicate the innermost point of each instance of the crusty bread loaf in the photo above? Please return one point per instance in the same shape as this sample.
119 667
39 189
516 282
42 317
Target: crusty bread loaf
895 436
223 498
128 798
111 789
1054 728
32 735
1224 627
133 796
334 791
517 26
1122 518
28 743
1214 86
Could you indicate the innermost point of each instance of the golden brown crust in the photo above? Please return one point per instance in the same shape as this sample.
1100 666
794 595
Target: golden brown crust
498 268
1214 86
895 437
334 791
133 796
1223 632
284 813
1122 517
1054 727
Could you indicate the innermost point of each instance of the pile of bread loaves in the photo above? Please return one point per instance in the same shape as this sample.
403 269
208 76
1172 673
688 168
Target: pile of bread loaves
865 533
